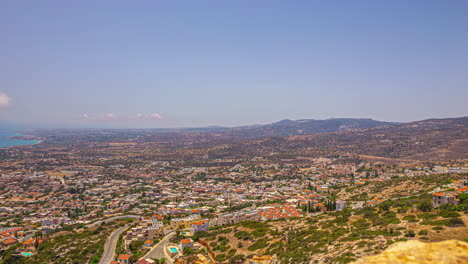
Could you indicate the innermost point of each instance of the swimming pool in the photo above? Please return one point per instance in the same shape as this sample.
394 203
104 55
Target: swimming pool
173 250
27 254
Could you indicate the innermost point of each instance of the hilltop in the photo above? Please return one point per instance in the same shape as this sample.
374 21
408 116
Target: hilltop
432 139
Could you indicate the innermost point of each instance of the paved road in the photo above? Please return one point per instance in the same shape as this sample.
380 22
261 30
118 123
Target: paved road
114 218
157 251
111 244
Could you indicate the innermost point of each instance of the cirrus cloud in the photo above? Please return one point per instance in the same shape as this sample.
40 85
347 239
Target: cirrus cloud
5 100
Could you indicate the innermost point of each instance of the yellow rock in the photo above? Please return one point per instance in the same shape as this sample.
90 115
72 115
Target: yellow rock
412 252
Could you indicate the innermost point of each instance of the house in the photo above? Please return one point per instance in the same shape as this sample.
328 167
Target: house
462 190
373 202
319 207
146 261
439 199
186 243
148 243
464 182
340 205
148 230
9 241
236 217
202 225
357 204
31 244
124 259
184 223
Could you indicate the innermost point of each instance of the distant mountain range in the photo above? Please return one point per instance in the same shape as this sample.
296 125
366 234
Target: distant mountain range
431 139
309 126
286 127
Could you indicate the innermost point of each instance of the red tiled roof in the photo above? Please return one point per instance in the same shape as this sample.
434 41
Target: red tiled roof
124 257
199 222
9 241
186 241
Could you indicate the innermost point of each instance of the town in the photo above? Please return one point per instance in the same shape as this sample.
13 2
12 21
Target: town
161 208
234 132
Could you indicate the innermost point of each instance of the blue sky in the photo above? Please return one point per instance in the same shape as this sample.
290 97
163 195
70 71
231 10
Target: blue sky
198 63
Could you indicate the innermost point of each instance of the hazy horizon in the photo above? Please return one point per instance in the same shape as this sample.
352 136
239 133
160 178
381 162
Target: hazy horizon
13 126
151 64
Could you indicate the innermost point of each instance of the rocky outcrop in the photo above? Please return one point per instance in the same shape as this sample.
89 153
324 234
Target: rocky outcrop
450 251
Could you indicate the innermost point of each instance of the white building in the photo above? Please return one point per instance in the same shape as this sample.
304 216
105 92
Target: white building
236 217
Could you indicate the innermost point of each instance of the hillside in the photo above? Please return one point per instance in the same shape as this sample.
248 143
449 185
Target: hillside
305 127
417 141
334 237
423 140
341 237
433 139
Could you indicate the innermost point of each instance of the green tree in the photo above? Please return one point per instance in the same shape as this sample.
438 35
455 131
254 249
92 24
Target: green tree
425 206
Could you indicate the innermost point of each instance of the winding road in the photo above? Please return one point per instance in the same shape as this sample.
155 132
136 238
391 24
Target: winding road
157 251
137 217
111 244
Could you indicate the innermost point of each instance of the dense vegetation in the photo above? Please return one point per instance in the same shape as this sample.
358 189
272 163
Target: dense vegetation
72 247
335 237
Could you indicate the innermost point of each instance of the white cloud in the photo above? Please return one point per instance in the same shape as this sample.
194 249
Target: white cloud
5 100
110 116
155 116
146 116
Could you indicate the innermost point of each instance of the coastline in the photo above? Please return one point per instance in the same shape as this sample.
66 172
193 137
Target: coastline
17 142
23 145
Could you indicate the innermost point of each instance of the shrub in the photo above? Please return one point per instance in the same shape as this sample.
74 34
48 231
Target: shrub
259 244
188 251
452 222
220 257
410 233
425 206
243 235
411 218
427 216
237 258
403 209
448 214
456 222
361 224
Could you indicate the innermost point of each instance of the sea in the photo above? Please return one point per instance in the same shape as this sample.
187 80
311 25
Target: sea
7 141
